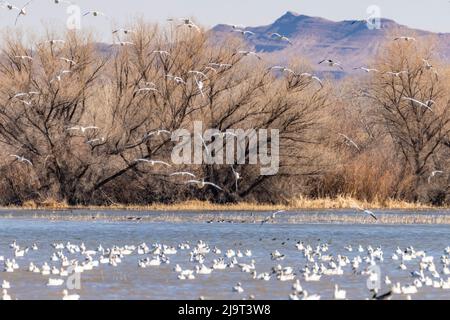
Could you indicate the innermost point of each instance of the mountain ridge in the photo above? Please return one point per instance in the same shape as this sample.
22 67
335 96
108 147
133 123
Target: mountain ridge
316 38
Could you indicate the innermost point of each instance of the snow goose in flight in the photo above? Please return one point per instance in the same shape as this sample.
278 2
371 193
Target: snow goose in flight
311 77
122 30
238 26
200 85
59 76
405 38
220 65
427 64
332 63
198 82
178 80
276 213
7 5
69 61
126 43
280 37
202 183
24 58
427 104
433 174
27 103
82 129
237 177
162 53
349 141
368 70
157 133
182 173
366 211
208 68
249 53
96 141
153 162
204 144
198 73
186 22
360 21
146 90
53 41
21 159
22 11
283 69
397 74
95 14
272 217
244 32
21 94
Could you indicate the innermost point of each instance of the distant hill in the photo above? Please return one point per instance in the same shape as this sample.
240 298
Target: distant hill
350 42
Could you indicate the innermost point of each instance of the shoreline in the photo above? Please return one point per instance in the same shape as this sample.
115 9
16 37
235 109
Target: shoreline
303 204
230 217
321 211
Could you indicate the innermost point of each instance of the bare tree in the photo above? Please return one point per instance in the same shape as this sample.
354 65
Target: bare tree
82 116
412 105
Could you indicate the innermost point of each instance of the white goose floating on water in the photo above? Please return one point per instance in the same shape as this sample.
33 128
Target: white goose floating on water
66 296
203 269
55 282
238 288
286 276
262 276
219 264
323 262
339 294
186 275
6 285
5 295
306 296
294 296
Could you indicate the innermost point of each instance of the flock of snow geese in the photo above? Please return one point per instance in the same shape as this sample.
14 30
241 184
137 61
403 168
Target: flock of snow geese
319 264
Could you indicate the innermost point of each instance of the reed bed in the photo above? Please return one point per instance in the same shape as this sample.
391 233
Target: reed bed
300 203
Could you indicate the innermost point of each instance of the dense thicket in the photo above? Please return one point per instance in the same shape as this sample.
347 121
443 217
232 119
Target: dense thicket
362 136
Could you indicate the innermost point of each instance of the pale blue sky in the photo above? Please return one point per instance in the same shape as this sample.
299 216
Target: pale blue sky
430 15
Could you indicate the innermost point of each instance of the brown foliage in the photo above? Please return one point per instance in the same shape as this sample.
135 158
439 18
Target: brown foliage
71 84
358 137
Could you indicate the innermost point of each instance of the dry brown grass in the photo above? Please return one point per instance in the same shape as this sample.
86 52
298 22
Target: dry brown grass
300 203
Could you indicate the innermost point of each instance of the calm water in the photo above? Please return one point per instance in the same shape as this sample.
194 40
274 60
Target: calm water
127 281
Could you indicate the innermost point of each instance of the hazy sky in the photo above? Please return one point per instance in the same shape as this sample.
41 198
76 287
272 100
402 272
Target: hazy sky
429 15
